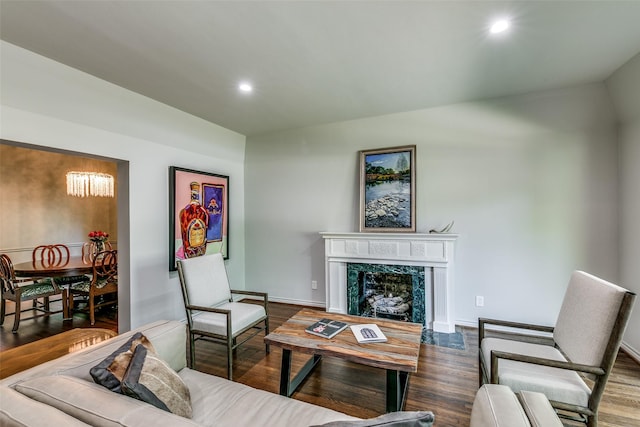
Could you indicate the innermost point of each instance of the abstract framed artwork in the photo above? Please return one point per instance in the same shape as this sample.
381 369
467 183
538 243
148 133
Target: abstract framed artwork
388 189
198 214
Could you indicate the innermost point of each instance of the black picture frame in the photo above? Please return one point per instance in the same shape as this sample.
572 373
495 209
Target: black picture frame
388 190
211 231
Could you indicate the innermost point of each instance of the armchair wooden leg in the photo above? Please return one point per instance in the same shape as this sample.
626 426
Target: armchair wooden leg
230 359
16 320
65 304
3 309
266 332
192 351
92 308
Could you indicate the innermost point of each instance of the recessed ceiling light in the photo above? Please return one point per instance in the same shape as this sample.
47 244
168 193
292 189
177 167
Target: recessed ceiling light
500 26
245 87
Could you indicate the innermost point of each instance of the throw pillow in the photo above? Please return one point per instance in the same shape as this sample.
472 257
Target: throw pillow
393 419
111 370
150 379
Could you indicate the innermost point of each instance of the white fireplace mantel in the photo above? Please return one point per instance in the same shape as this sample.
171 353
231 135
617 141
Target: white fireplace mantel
435 252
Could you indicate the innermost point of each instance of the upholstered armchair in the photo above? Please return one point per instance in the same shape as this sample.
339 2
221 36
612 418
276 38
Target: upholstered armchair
212 314
572 367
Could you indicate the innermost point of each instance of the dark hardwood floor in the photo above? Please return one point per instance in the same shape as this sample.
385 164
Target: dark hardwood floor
446 381
42 327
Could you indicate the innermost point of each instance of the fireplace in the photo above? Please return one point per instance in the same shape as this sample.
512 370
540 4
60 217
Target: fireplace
387 291
433 253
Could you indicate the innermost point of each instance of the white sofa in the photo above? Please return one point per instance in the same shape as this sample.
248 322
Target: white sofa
62 392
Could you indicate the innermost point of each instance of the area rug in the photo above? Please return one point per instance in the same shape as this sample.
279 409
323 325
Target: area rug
454 340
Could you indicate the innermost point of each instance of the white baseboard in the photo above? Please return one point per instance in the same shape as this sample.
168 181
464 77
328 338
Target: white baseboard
632 352
319 304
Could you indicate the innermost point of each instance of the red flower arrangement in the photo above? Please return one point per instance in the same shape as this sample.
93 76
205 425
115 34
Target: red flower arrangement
98 236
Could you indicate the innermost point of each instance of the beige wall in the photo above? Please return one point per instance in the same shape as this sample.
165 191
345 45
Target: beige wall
36 208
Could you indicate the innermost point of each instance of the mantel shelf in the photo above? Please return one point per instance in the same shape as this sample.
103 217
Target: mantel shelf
388 236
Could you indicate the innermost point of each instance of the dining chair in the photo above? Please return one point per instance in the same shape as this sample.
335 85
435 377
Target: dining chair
572 364
89 250
26 289
55 255
212 314
104 282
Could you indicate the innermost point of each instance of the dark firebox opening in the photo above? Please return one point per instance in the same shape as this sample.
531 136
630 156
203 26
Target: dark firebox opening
386 295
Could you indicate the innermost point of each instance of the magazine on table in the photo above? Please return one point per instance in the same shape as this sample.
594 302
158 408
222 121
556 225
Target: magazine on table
326 328
368 333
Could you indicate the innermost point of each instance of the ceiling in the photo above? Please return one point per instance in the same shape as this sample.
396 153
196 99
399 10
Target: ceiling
314 62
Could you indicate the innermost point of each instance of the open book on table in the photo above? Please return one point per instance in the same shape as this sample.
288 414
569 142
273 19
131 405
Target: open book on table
368 333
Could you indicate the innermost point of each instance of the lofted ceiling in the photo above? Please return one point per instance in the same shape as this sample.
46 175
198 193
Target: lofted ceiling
314 62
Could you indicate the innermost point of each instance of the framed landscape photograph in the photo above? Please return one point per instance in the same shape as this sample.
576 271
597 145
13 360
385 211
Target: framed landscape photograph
198 214
388 190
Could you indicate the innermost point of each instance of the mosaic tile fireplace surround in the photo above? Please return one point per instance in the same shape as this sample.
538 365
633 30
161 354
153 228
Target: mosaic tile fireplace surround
388 291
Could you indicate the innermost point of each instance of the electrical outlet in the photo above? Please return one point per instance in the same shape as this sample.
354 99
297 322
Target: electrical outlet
314 284
479 301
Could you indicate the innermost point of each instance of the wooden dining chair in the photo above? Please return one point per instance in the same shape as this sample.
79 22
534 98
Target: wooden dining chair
55 255
89 250
104 282
26 289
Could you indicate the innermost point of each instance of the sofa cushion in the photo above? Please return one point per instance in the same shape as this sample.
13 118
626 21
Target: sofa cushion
557 384
244 315
538 409
393 419
150 379
17 410
110 371
496 405
222 403
95 405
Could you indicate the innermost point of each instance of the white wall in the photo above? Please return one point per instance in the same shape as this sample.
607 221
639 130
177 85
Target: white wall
624 87
47 104
531 182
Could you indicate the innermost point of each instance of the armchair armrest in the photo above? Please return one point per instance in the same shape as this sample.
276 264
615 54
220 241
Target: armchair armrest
496 355
264 295
209 309
482 321
253 293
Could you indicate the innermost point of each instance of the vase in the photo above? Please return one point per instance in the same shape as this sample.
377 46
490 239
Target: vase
98 246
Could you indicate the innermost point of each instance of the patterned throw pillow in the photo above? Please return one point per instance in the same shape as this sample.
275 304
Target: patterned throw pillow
151 379
111 370
393 419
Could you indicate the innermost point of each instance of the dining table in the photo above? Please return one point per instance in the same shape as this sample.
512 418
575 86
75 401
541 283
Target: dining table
72 266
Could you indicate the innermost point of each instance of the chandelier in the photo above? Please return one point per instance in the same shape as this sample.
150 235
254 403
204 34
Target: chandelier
84 184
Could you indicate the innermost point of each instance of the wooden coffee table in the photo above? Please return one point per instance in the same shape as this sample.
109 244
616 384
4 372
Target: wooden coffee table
26 356
398 356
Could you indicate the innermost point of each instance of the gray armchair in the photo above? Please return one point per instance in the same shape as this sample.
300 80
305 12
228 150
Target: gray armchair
584 344
212 314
